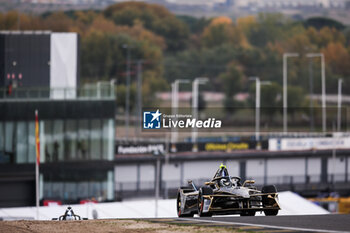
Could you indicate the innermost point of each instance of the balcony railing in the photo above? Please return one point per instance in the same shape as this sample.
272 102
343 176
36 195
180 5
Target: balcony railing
87 92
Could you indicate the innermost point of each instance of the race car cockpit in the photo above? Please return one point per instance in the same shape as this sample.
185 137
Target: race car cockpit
221 172
224 179
69 215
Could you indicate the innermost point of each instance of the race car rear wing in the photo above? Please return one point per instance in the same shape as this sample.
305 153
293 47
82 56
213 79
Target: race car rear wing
234 195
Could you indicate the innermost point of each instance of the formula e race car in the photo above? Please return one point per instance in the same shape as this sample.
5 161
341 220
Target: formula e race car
225 194
69 215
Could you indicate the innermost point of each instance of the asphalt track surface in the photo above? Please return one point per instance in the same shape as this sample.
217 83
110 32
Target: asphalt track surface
302 223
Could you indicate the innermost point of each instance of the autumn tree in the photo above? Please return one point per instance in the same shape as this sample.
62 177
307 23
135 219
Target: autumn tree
325 36
154 17
220 31
9 20
58 22
338 58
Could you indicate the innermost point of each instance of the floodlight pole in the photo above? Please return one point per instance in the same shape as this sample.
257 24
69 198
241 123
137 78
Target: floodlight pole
258 84
340 81
174 108
311 88
195 85
157 186
323 80
285 74
157 154
127 97
139 94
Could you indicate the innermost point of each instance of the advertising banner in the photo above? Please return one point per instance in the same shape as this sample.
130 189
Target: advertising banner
286 144
144 148
220 146
140 148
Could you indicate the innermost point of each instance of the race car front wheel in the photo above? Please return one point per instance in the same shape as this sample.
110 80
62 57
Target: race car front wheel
203 191
267 202
248 213
180 214
270 212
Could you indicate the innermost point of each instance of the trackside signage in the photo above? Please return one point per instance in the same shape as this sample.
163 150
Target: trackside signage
286 144
140 149
150 148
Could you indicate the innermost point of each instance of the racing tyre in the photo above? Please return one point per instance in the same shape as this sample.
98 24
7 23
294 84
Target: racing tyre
248 213
178 208
265 200
203 191
269 189
270 212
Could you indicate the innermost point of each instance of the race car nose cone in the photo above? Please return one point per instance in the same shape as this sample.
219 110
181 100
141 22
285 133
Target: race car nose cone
242 192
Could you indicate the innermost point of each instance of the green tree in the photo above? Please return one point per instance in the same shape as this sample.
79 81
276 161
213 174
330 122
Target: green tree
321 22
270 97
196 25
269 28
205 62
232 82
296 99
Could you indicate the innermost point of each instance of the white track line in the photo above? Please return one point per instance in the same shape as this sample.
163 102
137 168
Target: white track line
266 226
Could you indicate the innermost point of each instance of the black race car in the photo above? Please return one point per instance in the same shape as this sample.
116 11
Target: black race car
225 194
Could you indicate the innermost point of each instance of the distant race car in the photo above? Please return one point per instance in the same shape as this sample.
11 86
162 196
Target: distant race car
69 215
225 194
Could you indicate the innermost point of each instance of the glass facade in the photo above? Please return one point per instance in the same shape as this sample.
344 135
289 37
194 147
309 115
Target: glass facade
72 186
60 140
63 141
77 132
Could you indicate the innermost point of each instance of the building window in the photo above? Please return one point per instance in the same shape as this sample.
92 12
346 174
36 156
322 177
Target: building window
83 140
3 157
31 142
21 142
108 139
60 140
96 139
9 135
58 145
47 143
71 136
75 186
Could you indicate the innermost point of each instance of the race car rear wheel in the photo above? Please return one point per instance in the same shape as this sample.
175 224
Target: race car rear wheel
203 191
180 214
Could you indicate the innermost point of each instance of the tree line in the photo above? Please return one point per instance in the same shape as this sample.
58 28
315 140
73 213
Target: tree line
226 51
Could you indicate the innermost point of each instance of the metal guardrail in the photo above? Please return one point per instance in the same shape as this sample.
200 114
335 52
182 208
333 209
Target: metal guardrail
168 188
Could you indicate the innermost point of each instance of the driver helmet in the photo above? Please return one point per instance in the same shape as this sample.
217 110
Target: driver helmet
69 214
223 170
